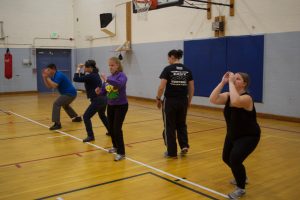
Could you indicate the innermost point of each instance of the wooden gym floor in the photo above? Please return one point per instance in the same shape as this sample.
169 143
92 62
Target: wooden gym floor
36 163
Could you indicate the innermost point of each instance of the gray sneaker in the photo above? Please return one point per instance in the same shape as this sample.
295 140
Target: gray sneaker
112 150
237 193
233 181
119 157
184 151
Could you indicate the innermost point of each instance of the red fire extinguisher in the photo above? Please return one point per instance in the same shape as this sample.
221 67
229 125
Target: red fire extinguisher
8 64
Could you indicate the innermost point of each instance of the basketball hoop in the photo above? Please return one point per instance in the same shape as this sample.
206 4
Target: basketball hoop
142 7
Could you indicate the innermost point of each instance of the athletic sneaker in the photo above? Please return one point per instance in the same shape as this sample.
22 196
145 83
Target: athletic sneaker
112 150
55 126
233 181
77 119
88 139
119 157
166 155
184 151
237 193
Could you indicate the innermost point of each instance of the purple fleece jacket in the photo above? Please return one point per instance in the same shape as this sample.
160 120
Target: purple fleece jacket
115 89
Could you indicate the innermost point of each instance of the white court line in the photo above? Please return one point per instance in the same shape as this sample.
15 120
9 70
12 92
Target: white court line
130 159
56 136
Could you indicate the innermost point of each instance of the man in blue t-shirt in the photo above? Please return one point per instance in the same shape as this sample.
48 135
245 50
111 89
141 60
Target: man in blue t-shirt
55 79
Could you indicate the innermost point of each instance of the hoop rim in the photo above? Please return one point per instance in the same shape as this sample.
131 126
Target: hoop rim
153 3
142 1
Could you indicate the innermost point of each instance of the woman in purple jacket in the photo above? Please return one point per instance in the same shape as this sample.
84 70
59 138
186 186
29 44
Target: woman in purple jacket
114 88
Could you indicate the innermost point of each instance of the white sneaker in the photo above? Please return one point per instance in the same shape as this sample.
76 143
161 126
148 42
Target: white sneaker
237 193
112 150
119 157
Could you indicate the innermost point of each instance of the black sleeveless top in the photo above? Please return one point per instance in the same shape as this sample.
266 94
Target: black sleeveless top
240 122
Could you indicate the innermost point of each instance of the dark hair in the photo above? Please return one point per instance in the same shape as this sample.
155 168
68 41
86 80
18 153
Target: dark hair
176 53
52 66
246 79
90 63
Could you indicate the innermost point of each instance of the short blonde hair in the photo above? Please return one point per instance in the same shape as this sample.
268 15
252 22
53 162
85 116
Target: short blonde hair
118 62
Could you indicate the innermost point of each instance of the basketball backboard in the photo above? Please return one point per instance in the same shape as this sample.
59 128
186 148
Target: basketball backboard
168 3
161 4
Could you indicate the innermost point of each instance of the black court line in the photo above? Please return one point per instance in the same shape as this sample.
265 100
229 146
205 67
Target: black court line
126 178
217 119
278 129
186 187
161 138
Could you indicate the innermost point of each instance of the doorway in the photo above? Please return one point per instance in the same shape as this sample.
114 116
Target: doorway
60 57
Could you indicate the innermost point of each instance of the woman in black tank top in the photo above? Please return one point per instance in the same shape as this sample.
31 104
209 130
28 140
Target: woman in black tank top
243 131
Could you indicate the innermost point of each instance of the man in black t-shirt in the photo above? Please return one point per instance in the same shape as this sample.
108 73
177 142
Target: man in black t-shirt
177 84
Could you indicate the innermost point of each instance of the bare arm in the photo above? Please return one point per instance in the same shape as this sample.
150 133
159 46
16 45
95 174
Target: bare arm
216 97
47 80
191 90
160 91
236 100
49 83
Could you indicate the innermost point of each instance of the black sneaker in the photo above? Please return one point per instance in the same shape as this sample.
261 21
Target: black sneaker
55 126
88 139
77 119
166 155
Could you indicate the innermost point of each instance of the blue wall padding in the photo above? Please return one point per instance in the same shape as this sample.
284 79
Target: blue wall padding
206 59
209 59
245 54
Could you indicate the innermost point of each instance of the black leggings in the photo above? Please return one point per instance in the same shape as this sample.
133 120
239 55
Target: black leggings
116 115
97 105
234 154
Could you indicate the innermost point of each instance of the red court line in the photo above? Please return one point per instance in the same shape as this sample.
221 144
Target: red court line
33 135
11 138
25 121
18 164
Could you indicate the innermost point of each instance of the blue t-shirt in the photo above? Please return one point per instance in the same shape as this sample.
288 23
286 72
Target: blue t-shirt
65 87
